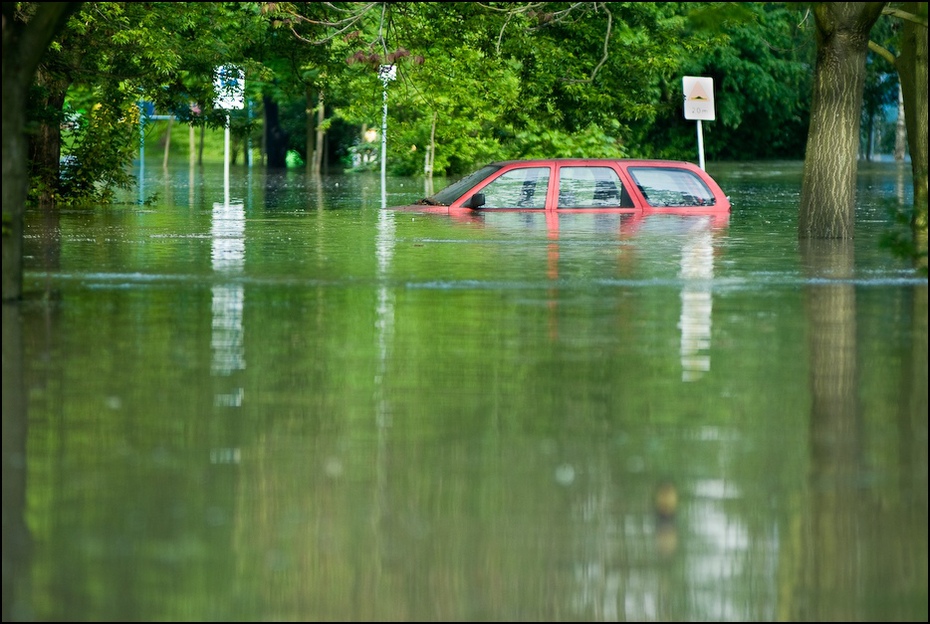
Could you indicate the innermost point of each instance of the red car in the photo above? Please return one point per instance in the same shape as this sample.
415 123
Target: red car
582 185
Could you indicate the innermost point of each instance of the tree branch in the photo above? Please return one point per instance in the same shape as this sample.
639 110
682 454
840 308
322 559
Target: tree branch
910 17
882 52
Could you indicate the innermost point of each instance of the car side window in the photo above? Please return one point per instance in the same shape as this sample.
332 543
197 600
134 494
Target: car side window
591 187
666 187
518 188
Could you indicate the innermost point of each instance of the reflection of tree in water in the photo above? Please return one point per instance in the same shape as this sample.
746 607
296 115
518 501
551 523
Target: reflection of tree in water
17 540
830 569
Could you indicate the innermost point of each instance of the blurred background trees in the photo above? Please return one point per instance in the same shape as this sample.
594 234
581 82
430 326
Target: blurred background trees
475 82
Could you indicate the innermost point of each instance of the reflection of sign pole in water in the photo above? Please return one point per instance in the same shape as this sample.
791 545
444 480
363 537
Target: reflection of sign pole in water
699 105
229 84
387 73
697 271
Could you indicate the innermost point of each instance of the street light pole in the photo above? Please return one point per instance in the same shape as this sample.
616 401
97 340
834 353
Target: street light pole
387 73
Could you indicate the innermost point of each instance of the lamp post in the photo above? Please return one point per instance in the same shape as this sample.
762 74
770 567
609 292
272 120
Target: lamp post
387 73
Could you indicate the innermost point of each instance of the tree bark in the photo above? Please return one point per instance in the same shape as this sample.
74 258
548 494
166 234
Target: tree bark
45 144
828 189
912 73
24 43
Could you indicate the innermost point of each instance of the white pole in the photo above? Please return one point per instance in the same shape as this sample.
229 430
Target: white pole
226 162
700 133
387 73
141 154
384 148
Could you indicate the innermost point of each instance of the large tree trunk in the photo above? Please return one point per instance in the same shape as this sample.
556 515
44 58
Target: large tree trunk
23 47
45 144
828 189
912 72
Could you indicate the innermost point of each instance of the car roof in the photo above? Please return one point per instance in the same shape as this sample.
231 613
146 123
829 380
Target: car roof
629 161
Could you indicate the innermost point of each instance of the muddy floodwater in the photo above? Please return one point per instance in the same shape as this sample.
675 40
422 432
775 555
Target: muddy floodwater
276 400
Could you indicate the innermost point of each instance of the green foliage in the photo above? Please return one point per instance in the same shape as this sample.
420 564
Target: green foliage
484 81
111 56
103 142
520 79
761 62
900 240
592 142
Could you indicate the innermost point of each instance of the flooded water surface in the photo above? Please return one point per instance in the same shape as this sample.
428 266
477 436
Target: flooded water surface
278 401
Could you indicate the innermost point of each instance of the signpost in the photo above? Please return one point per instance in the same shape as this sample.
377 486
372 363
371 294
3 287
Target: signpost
387 73
229 84
699 105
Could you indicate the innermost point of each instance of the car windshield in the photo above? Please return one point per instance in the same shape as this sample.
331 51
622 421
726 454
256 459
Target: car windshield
452 192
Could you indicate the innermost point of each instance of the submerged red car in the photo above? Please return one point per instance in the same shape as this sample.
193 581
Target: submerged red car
582 185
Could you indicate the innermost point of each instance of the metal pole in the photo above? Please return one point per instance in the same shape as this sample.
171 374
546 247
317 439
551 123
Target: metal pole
226 163
141 153
700 133
384 147
387 73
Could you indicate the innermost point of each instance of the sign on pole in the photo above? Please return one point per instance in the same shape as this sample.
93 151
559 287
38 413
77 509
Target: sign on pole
229 84
699 105
699 98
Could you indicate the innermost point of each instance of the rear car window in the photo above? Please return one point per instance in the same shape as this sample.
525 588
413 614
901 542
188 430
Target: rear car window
667 187
591 187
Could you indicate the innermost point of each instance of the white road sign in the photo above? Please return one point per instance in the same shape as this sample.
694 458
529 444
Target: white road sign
230 87
699 98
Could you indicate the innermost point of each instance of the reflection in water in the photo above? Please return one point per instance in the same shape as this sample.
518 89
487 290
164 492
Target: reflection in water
831 548
17 540
415 447
228 258
384 315
697 269
666 509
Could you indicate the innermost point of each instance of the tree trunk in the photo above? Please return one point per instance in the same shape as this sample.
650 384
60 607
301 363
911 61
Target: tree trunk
192 153
320 134
45 144
315 132
309 133
828 189
900 136
912 72
23 47
164 162
276 138
431 149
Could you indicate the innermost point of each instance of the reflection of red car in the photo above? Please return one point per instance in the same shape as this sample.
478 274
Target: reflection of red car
582 185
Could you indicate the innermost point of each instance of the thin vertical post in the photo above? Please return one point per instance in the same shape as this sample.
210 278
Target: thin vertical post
700 137
384 146
387 73
226 162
